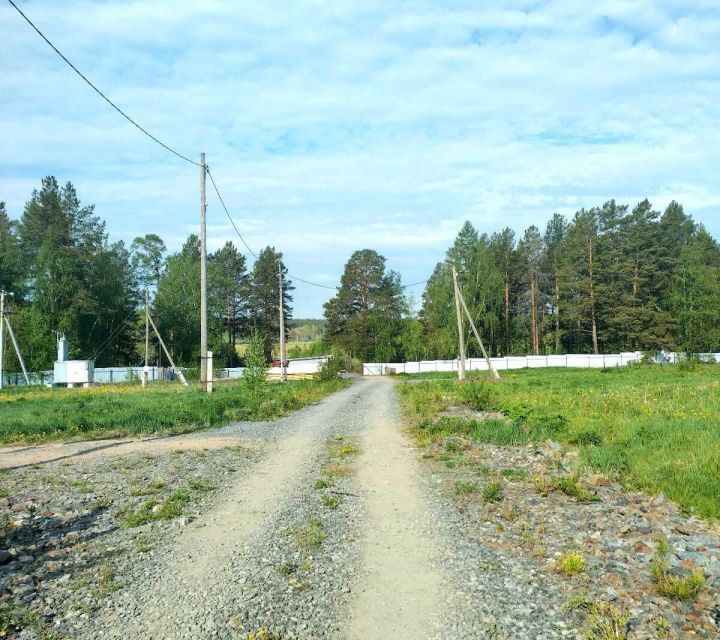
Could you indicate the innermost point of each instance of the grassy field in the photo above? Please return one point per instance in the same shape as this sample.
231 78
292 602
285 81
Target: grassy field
38 414
655 428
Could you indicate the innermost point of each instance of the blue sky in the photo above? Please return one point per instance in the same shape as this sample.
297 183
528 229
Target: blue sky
335 126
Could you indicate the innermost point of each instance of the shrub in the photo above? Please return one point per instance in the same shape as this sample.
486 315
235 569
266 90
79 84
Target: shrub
255 374
475 395
339 361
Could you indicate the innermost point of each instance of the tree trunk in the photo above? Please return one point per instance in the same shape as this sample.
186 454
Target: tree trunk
593 319
533 314
507 315
557 313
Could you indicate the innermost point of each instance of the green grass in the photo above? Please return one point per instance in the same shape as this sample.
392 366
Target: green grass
572 563
311 534
687 587
493 492
32 415
653 427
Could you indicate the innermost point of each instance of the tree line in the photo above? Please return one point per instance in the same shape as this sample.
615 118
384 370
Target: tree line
67 277
608 279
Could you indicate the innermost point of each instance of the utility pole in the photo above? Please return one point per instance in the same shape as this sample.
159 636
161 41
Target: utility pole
146 369
461 337
203 278
492 369
2 335
283 370
3 322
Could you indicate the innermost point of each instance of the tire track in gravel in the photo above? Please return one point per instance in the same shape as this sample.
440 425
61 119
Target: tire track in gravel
399 590
181 595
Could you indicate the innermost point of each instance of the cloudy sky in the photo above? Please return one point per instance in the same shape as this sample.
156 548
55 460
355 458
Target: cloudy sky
334 126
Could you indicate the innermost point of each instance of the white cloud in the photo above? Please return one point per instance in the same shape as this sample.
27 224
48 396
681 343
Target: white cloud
333 126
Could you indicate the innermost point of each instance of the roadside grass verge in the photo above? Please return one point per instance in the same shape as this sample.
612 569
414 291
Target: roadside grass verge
652 427
34 415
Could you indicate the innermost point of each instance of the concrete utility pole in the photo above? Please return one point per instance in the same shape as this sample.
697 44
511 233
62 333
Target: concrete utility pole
203 278
146 369
283 369
2 335
461 337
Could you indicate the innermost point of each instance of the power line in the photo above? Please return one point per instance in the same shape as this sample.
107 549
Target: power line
100 93
414 284
227 213
242 239
166 147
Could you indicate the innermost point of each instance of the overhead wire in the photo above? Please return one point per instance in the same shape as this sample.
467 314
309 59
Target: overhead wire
100 93
167 147
242 239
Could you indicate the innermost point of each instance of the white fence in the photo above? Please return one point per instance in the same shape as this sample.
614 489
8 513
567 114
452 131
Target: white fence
577 360
115 375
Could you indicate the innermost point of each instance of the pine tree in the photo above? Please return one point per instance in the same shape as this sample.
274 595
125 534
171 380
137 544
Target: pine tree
365 316
264 314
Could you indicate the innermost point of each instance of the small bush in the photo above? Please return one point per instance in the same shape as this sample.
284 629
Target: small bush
493 492
570 564
255 375
287 568
475 395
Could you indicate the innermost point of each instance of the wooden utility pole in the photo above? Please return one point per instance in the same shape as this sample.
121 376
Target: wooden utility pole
146 369
477 337
461 337
203 278
283 369
2 335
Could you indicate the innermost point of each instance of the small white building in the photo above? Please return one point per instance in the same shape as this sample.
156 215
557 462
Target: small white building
71 373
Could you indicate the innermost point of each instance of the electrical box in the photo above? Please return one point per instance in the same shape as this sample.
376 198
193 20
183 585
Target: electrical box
74 372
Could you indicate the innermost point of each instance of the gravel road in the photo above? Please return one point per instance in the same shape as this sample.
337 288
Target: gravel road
325 524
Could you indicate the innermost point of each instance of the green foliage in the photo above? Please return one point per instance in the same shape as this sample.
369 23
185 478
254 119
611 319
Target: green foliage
264 298
365 316
475 394
615 279
571 564
311 534
493 492
331 500
463 487
339 361
653 427
254 377
677 587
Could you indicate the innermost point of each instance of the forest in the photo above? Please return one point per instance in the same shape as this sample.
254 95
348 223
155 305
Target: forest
66 276
609 279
